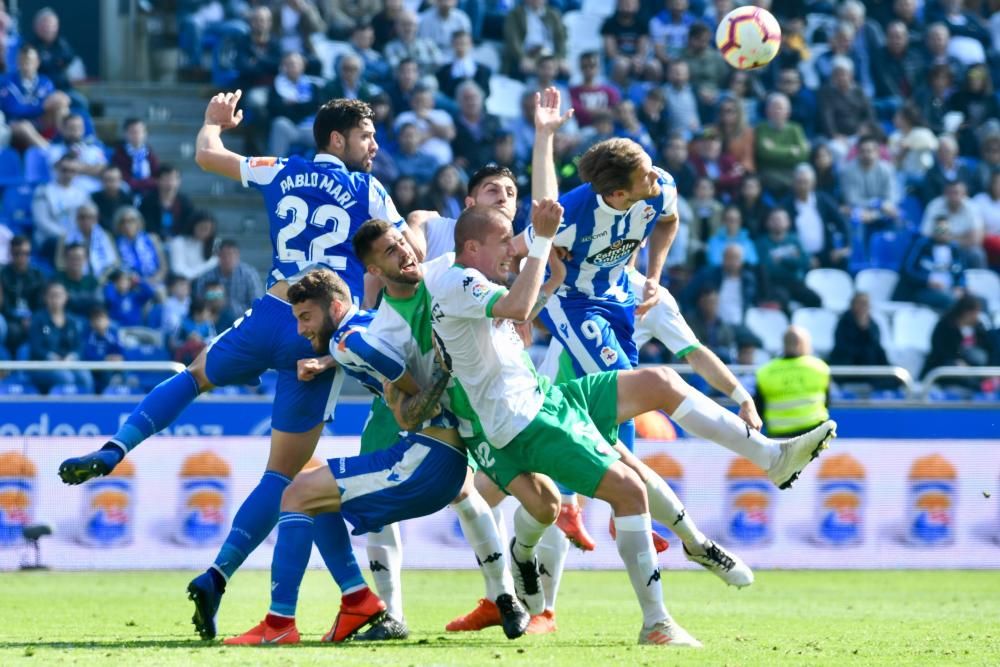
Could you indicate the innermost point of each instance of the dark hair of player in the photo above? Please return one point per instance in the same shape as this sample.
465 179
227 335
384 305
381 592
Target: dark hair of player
608 165
341 116
322 286
475 223
366 236
490 170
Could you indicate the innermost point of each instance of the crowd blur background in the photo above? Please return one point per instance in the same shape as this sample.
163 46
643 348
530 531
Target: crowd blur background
851 187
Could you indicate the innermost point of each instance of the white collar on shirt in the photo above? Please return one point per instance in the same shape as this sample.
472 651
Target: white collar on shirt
326 157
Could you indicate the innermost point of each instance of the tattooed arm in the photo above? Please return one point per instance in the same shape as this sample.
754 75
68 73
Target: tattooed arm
413 410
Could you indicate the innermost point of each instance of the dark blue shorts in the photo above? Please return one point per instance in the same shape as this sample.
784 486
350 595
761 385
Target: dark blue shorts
415 477
597 335
267 337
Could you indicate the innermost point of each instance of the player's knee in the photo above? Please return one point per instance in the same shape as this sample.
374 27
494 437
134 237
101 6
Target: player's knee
197 371
624 491
546 509
296 496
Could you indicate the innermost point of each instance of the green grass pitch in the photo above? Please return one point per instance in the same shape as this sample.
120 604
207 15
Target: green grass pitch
786 618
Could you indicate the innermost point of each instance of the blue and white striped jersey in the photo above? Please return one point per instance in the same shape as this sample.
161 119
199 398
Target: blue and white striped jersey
601 239
314 208
363 357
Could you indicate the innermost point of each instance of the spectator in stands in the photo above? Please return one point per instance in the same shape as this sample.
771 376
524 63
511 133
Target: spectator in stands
734 281
989 155
899 68
754 205
793 391
709 161
101 254
197 328
404 194
377 70
111 196
436 125
343 15
960 339
8 36
532 30
222 313
969 37
291 105
81 284
840 45
241 281
176 306
652 113
987 204
298 21
630 127
136 159
936 51
385 22
54 53
822 161
731 233
411 159
53 207
780 145
127 297
683 107
258 54
784 263
351 83
709 70
440 22
906 12
547 75
198 23
947 168
933 270
167 211
193 254
475 129
817 221
55 336
708 326
706 218
746 90
87 152
912 145
626 33
22 285
870 187
867 44
30 102
591 95
669 29
843 106
931 97
857 340
445 194
404 86
102 344
409 46
737 135
462 68
140 251
802 100
977 102
964 221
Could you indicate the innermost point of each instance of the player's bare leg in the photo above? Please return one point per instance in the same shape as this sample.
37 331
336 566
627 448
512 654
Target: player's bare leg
661 388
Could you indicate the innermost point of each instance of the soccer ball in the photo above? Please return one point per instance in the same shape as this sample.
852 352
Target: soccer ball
748 37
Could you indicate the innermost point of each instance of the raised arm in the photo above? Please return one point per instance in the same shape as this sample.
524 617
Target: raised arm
659 245
210 153
519 303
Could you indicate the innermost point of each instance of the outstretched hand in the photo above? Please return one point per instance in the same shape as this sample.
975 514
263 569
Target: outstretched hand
546 216
547 116
222 110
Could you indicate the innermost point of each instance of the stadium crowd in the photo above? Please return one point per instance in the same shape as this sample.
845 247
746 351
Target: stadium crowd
864 160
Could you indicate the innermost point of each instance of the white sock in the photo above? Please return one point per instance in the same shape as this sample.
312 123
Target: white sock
527 532
481 533
552 550
568 498
703 417
385 558
667 508
508 578
635 546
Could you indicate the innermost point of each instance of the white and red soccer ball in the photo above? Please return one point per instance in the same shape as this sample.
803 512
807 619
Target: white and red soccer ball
748 37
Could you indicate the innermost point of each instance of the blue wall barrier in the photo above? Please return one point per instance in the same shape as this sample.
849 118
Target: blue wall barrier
251 416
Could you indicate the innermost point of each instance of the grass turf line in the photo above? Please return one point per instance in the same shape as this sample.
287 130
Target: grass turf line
785 618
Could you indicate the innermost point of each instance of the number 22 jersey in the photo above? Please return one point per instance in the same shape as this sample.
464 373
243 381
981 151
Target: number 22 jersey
314 208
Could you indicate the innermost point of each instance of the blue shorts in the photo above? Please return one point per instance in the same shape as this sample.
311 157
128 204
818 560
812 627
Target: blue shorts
415 477
597 335
267 337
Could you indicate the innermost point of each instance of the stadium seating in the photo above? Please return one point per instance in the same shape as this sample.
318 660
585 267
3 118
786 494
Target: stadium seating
16 205
11 169
36 166
912 327
834 287
769 325
885 329
887 249
602 8
821 324
505 97
985 284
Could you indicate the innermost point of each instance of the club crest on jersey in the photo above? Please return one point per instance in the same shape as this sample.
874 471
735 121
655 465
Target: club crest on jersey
648 214
479 290
609 356
614 254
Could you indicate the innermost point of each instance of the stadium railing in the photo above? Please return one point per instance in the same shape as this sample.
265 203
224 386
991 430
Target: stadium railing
955 372
171 366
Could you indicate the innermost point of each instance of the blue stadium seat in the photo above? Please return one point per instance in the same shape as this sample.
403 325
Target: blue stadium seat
36 166
8 388
887 249
64 390
10 167
17 208
119 390
912 211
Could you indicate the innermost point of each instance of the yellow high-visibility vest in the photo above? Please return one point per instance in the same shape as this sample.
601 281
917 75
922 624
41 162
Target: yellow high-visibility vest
794 391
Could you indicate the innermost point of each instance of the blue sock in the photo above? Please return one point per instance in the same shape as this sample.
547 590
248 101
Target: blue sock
291 557
158 410
253 522
334 546
626 433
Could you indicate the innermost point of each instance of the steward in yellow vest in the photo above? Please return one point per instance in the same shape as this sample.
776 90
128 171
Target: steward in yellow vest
793 390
